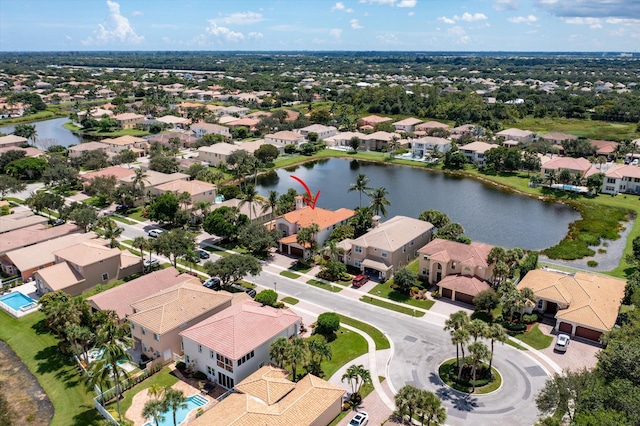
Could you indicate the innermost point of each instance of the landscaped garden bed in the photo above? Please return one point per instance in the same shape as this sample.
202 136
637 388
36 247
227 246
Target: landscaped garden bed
485 381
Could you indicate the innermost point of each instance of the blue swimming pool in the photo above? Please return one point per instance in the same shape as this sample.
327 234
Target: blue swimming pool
193 402
18 301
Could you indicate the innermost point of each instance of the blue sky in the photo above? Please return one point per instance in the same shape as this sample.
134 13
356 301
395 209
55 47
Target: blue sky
409 25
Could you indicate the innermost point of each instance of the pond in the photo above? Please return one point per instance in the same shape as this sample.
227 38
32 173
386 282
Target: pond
486 213
50 132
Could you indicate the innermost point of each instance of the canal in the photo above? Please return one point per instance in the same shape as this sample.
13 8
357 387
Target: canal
50 132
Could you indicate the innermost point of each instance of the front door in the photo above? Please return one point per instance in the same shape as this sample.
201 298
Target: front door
167 355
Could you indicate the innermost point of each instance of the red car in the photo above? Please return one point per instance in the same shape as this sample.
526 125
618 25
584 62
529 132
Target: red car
360 280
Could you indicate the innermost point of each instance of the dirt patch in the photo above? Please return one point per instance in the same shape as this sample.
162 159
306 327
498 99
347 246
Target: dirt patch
28 403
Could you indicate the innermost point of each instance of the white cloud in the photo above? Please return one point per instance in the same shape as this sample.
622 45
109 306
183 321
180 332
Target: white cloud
336 32
505 5
522 19
467 17
407 3
623 21
137 13
460 34
446 20
389 2
388 39
254 35
593 23
411 13
341 7
115 29
223 32
355 24
242 18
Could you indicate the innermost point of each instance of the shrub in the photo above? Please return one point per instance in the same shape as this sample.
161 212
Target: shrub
592 263
290 149
530 318
435 294
327 325
199 375
181 366
267 297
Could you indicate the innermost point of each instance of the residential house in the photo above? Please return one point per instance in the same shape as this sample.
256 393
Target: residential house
76 151
322 131
158 319
407 125
28 151
27 260
80 267
429 145
377 141
186 140
302 217
8 110
233 110
284 137
460 270
425 128
119 299
13 140
154 179
105 94
606 149
556 138
118 172
197 189
523 136
343 139
474 151
583 304
388 246
174 122
577 166
224 347
19 220
621 178
254 211
95 113
138 145
201 129
128 120
219 152
268 397
33 234
370 121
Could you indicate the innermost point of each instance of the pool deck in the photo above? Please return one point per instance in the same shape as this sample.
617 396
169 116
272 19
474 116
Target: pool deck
27 289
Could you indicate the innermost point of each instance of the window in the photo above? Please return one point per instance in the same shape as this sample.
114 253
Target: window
384 254
404 248
78 269
105 276
182 346
411 243
199 348
156 337
225 381
224 362
132 326
540 302
210 371
408 258
425 257
144 331
144 347
101 261
357 249
453 265
245 358
212 354
611 180
356 263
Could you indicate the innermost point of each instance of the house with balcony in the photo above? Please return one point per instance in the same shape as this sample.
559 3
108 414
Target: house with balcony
201 129
621 178
304 216
387 247
428 145
474 151
523 136
407 125
460 270
283 138
321 130
225 346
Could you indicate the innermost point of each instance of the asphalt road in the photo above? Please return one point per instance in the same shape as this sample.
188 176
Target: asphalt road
420 345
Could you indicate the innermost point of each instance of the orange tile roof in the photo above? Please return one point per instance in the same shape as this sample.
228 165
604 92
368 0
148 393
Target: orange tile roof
474 254
322 217
117 171
467 285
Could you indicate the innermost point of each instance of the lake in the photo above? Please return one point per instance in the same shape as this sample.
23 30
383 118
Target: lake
50 132
487 214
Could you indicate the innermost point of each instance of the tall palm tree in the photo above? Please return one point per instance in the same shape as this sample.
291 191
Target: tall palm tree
332 251
393 145
139 180
457 321
114 352
407 401
379 201
278 351
551 177
142 244
497 333
204 206
98 374
477 328
296 354
174 400
191 257
319 349
154 408
357 376
157 391
430 408
361 185
479 352
271 202
111 230
460 337
249 196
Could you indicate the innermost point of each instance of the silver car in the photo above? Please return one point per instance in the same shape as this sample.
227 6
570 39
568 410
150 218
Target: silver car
562 342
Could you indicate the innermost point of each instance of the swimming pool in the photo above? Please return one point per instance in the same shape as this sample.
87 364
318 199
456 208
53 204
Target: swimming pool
193 402
18 301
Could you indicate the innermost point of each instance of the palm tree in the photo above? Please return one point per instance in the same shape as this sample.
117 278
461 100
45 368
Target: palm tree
191 257
407 402
460 337
153 408
174 400
157 391
296 354
142 244
249 196
430 408
114 352
457 321
139 180
278 351
204 206
477 328
184 199
319 349
551 177
393 145
98 374
271 202
217 177
361 185
111 230
379 201
332 251
496 333
479 352
357 376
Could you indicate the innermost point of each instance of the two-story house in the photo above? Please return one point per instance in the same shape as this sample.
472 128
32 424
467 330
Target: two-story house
284 137
460 270
322 131
388 246
302 217
429 145
226 347
406 125
198 190
201 129
576 166
128 120
474 151
621 179
80 267
513 134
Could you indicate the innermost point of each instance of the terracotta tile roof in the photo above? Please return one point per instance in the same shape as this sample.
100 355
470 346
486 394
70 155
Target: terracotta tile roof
88 146
154 178
620 171
474 254
322 217
586 299
32 235
193 187
176 305
407 122
19 220
211 127
269 384
12 140
117 171
467 285
60 276
128 116
477 146
124 140
394 233
302 405
120 298
558 163
88 253
249 122
558 136
42 253
514 132
379 136
229 332
285 135
431 125
375 119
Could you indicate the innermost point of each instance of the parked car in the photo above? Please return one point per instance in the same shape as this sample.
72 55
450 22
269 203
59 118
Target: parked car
360 419
360 280
121 208
562 342
58 222
251 292
212 283
203 254
148 263
155 233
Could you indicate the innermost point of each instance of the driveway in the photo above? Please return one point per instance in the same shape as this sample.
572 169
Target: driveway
579 354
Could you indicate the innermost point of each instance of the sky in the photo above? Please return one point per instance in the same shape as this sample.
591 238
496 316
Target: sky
325 25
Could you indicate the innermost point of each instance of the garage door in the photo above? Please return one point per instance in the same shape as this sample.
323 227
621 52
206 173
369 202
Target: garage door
464 298
446 293
565 327
587 333
295 251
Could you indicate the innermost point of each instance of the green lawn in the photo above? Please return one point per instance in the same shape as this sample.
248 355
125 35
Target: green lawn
123 220
515 345
535 338
385 290
136 214
217 251
288 274
290 300
378 337
329 287
392 306
448 368
347 346
57 374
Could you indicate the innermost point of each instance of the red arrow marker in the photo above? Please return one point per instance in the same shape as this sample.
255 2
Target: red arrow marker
309 199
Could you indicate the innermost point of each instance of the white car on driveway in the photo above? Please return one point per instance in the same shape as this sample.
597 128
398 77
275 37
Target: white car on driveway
155 233
562 342
360 419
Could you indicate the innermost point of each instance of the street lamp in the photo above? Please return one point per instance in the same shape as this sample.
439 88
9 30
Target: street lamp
275 286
